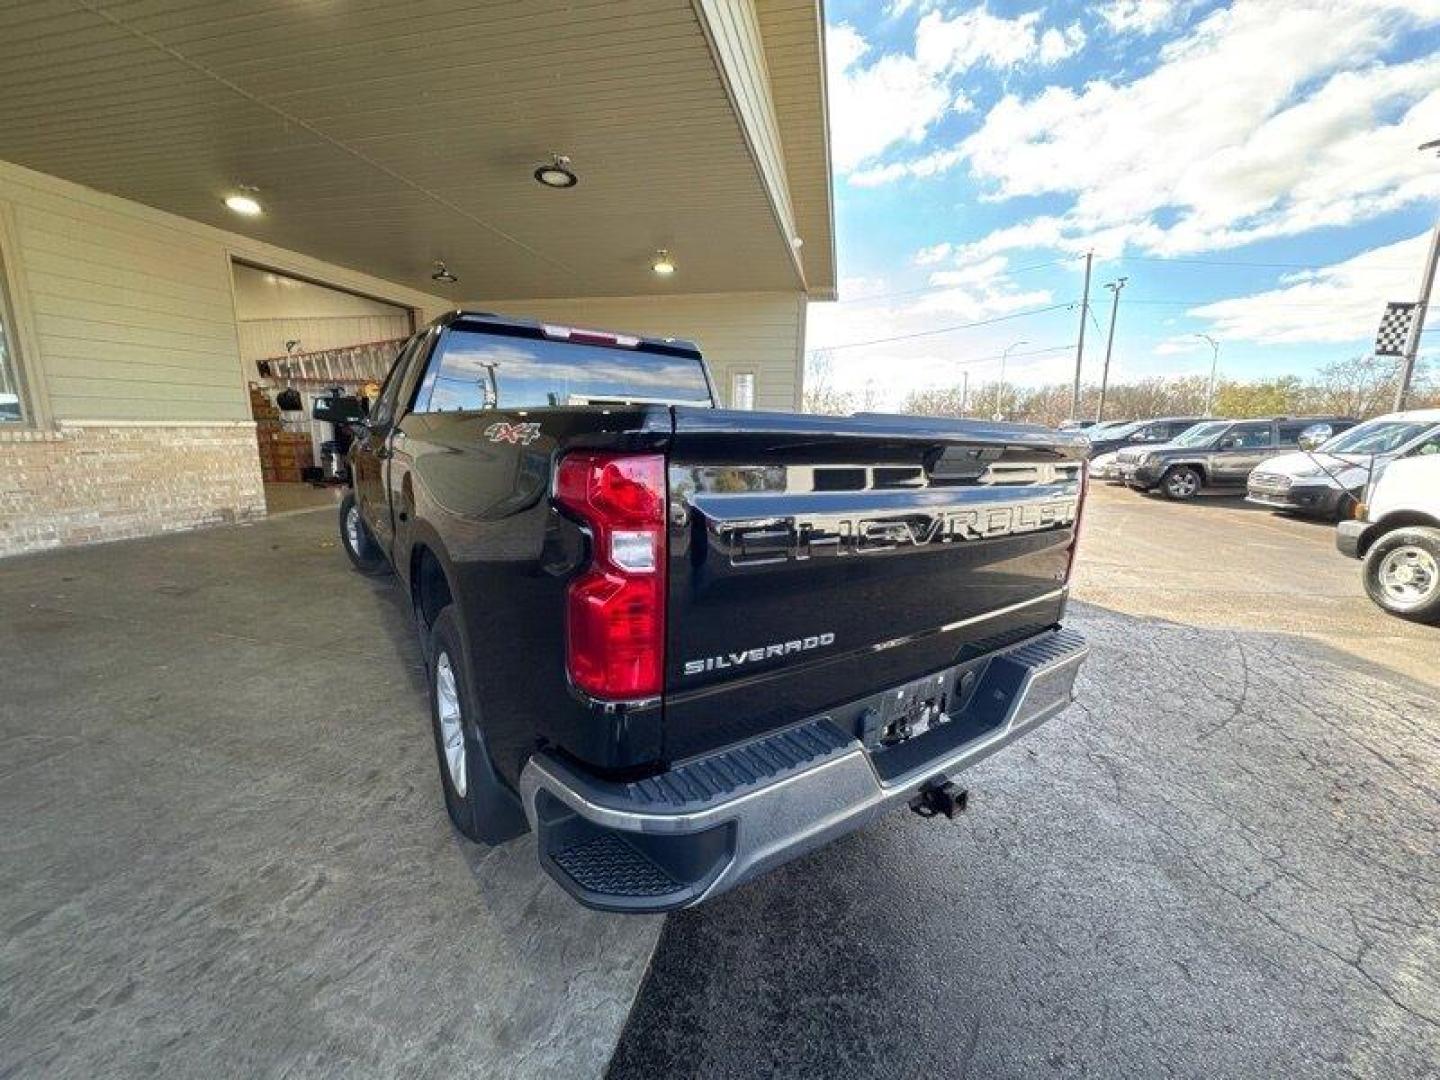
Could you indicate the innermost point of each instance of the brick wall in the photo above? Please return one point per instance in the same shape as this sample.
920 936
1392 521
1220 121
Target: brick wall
92 481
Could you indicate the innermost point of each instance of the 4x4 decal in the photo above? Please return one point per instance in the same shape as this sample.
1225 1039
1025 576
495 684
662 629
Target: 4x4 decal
522 434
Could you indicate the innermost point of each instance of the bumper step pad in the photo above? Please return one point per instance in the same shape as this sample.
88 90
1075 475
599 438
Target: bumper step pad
606 864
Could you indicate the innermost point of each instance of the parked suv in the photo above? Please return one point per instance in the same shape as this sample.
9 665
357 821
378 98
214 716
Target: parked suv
1106 445
1219 453
1328 480
1140 433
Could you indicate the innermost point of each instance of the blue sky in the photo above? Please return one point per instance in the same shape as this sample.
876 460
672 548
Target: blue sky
981 149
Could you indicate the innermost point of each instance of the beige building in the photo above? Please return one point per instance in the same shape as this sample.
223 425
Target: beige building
139 311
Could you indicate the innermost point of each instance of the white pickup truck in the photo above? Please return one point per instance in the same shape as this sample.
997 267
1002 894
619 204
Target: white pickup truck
1396 531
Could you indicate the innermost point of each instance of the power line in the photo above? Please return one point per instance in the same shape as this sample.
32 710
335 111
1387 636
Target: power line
1016 355
943 329
1238 262
1231 299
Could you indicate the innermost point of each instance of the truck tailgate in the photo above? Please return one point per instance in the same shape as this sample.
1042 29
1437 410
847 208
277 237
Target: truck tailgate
815 560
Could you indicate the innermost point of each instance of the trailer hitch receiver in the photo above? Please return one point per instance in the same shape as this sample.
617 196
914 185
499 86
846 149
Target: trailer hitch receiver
940 797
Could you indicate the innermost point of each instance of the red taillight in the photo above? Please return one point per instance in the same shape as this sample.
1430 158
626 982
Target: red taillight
615 609
1079 518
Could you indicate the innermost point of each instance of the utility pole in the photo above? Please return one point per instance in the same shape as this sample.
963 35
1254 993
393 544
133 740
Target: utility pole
1417 318
1000 387
1214 366
1115 287
1080 345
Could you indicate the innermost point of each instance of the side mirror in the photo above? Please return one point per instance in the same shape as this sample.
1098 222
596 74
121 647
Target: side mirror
1312 437
339 410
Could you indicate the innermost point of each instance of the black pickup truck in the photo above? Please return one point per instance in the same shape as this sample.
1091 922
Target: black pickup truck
683 645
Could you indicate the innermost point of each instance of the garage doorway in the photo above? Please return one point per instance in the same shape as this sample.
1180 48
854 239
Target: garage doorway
299 339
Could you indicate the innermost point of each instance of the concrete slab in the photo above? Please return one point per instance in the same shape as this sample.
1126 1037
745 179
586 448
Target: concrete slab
224 849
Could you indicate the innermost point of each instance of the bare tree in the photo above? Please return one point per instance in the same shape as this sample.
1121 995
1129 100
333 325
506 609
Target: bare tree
820 394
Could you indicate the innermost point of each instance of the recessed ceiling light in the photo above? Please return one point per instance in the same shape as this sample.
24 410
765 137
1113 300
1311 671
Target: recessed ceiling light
663 265
243 201
442 274
557 174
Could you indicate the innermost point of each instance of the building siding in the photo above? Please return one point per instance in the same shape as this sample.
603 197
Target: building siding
128 312
737 332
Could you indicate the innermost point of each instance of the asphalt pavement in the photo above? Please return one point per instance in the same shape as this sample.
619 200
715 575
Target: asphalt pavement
1222 861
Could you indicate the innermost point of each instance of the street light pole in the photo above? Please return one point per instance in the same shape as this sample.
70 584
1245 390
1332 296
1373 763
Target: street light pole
1080 345
964 391
1114 287
1000 389
1214 366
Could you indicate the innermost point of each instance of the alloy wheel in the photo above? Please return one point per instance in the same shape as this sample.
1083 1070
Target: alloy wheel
1184 484
352 529
452 729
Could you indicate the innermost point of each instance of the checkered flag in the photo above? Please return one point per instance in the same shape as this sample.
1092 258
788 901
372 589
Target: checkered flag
1394 330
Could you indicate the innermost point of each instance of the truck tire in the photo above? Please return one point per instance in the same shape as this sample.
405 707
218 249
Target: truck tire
479 803
1402 573
355 538
1181 482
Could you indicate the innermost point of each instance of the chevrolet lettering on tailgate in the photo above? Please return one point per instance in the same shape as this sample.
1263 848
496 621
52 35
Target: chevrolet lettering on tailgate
778 539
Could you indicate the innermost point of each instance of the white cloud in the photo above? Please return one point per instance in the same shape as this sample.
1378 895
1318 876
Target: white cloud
1180 345
936 253
878 102
974 38
1262 121
875 106
1139 16
1057 45
860 288
1338 303
1036 232
926 165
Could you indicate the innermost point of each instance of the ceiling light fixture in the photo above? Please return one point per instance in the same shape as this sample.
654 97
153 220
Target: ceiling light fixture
442 273
557 174
243 201
663 265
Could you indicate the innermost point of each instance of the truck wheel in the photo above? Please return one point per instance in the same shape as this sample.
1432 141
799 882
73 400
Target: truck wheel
1402 573
1182 482
356 539
478 803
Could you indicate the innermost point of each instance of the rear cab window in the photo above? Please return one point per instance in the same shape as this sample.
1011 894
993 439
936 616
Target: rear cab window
475 370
